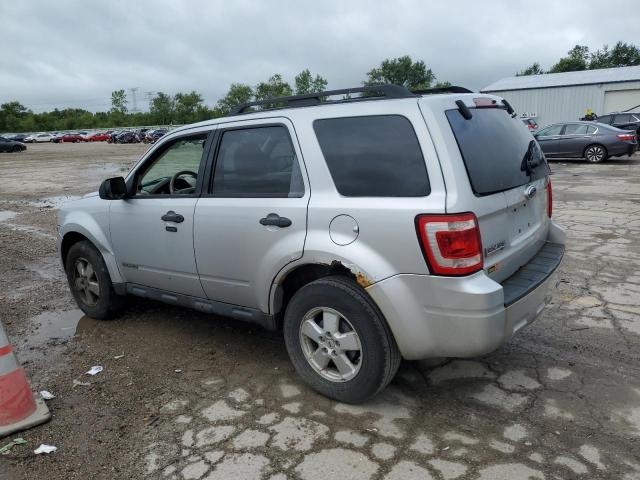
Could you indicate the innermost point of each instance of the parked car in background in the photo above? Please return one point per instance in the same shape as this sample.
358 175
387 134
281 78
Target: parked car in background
593 141
72 138
531 124
39 138
624 120
18 137
152 136
97 137
7 145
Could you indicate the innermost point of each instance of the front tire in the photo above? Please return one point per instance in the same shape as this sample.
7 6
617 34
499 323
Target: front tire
338 341
595 153
90 282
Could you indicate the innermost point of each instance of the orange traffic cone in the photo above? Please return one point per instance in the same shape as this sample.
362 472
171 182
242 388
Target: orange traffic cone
18 408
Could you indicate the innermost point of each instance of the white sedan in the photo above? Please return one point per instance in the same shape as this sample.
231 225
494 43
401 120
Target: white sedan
39 137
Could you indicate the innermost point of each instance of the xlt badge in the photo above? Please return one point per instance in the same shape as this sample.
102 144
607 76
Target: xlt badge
496 247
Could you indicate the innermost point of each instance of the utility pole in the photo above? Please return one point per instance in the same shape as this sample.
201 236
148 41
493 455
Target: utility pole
134 100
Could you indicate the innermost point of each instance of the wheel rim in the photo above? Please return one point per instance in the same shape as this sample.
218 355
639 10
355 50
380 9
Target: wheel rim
85 281
595 154
330 344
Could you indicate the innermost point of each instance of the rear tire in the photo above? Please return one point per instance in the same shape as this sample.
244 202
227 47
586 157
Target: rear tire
595 153
338 340
90 282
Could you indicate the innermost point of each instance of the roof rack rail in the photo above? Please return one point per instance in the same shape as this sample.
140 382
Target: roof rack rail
449 89
383 91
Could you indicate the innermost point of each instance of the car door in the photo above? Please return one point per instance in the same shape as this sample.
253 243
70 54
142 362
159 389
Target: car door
152 232
4 143
574 140
549 139
253 221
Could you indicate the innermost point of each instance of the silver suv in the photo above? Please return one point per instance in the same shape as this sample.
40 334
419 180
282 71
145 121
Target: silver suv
369 224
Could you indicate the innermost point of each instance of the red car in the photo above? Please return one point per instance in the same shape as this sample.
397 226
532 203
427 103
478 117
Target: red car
98 137
72 137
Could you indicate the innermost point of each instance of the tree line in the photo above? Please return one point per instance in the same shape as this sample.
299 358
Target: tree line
181 108
580 58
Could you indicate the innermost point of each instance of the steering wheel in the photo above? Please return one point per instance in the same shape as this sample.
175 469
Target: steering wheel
172 189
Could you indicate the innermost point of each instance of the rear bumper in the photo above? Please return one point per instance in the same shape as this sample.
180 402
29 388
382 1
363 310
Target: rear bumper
433 316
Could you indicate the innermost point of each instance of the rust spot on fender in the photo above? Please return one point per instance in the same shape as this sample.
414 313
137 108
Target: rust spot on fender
362 280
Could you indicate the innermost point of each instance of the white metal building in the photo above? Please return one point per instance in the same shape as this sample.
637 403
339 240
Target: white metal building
558 97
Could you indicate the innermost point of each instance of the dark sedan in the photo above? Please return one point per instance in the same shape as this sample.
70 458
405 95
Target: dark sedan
7 145
590 140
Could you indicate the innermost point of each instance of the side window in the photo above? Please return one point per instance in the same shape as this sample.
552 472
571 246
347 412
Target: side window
175 169
591 130
550 131
604 119
575 129
373 156
626 118
257 162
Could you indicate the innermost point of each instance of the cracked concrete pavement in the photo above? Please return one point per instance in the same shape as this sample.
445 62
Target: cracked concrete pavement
196 397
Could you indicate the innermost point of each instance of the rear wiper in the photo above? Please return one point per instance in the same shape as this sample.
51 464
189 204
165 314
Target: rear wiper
527 164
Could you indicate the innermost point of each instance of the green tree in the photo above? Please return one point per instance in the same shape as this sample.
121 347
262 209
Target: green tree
187 105
533 69
11 116
402 71
272 88
119 101
621 55
238 93
162 109
306 83
575 60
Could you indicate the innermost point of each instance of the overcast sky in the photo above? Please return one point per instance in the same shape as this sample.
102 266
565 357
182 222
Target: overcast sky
74 53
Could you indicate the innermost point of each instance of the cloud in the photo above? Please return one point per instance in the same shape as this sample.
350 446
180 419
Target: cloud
74 53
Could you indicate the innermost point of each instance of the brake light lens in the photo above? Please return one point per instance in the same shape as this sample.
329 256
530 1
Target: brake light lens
549 198
450 243
626 137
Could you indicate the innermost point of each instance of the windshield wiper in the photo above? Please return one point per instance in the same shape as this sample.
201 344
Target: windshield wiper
528 164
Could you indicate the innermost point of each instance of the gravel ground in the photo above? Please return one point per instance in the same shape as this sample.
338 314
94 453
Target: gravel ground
185 395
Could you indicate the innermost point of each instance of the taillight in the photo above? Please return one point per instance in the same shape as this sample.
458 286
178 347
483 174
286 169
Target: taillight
626 137
451 243
549 198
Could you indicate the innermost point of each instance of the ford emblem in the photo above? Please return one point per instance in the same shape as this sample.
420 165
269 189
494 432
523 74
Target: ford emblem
530 192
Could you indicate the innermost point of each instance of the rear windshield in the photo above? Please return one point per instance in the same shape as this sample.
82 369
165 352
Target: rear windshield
499 153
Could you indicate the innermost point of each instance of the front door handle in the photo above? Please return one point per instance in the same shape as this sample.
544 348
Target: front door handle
275 220
172 216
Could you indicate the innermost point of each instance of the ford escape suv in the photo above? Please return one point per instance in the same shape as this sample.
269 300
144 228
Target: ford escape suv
369 224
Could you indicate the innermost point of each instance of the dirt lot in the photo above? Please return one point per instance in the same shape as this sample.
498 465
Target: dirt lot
183 395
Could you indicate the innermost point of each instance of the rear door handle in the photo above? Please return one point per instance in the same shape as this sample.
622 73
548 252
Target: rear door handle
275 220
172 216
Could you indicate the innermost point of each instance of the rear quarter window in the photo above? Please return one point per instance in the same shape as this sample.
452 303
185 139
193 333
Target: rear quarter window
373 156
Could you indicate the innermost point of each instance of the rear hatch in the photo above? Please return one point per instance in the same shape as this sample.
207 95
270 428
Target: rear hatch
508 175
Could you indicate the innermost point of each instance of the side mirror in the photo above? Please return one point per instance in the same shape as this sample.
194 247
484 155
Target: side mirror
113 189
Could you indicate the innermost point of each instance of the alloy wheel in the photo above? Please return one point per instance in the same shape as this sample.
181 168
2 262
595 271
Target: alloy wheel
330 344
595 154
86 282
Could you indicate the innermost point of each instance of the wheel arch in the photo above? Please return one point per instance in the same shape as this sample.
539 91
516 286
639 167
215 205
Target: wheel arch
289 281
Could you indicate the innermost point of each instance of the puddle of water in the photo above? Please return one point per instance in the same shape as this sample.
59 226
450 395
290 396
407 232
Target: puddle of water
54 202
7 215
54 326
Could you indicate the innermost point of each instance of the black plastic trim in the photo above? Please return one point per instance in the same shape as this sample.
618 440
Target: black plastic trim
531 275
316 98
213 307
